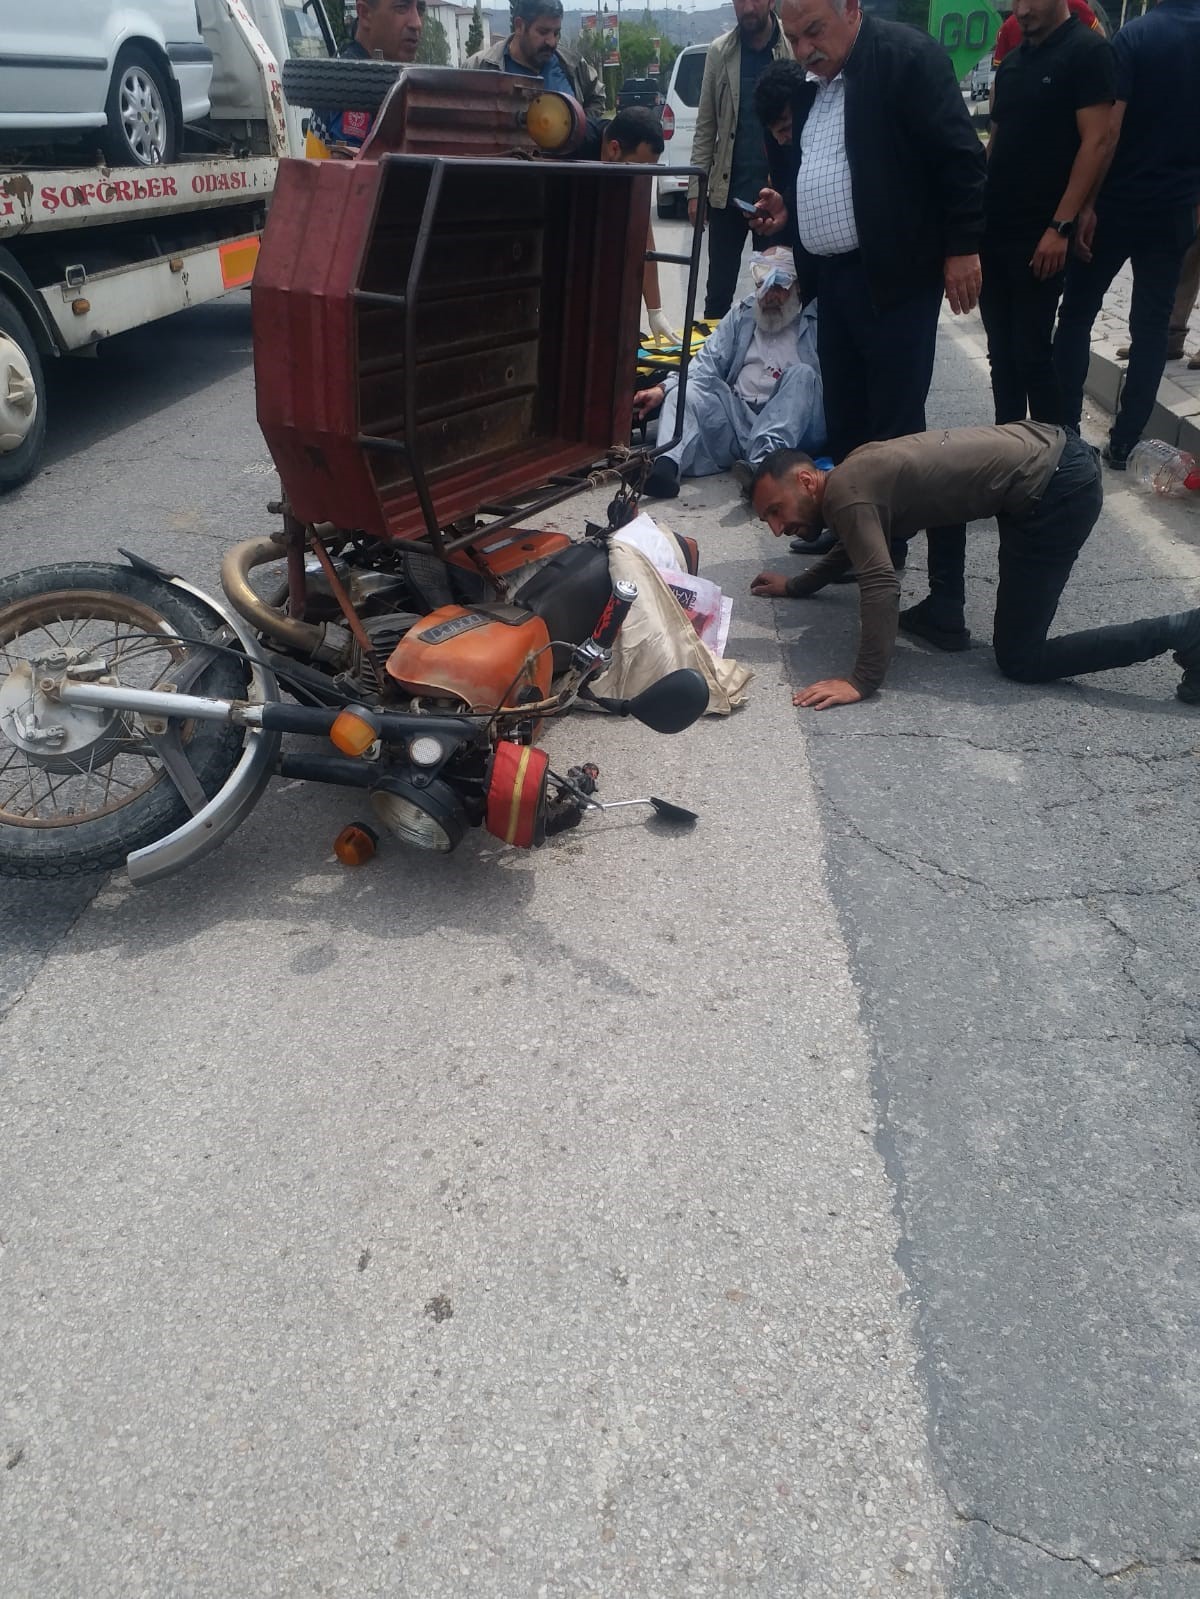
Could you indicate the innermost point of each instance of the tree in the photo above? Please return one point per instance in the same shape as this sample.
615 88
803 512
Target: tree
589 47
637 49
475 31
434 48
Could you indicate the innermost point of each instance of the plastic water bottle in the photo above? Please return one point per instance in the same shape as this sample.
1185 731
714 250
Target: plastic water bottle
1163 468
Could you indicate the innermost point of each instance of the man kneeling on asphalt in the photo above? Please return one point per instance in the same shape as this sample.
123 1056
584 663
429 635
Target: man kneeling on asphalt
1043 487
754 388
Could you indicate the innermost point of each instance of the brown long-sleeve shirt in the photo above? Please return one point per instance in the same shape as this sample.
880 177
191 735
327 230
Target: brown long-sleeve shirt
893 489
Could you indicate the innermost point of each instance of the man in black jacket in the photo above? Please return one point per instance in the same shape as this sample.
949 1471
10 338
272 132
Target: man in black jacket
880 193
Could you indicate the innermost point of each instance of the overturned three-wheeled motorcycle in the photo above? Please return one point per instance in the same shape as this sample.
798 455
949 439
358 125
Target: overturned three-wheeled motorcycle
445 336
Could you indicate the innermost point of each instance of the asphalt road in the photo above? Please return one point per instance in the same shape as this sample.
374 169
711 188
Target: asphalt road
804 1205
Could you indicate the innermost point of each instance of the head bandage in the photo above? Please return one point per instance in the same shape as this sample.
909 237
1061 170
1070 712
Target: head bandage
772 269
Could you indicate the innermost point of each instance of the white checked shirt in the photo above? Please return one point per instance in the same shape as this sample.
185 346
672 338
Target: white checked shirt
824 192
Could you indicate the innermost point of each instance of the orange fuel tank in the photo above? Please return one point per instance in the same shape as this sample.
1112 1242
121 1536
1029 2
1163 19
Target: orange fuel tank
484 655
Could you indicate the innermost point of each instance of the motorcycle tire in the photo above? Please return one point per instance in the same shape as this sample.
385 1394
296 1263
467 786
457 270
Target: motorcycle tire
52 601
341 83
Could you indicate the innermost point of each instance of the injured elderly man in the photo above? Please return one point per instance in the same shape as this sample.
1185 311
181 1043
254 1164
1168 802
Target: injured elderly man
755 386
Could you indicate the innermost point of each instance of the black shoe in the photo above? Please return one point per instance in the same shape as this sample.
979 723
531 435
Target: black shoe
662 482
821 545
1113 458
917 621
742 474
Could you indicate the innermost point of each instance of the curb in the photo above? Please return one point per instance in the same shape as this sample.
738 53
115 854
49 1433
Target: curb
1176 415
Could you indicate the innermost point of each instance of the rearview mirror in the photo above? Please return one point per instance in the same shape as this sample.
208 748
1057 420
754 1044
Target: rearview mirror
673 703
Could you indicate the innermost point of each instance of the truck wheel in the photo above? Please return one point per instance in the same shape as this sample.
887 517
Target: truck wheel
22 398
143 129
80 793
342 83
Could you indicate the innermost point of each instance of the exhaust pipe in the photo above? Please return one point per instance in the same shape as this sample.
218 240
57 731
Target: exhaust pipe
303 638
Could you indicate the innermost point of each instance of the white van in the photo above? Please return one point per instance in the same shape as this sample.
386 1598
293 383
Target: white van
679 124
136 73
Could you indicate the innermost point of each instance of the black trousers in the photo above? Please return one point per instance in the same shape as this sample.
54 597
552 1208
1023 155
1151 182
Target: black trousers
876 366
727 232
1018 313
1155 245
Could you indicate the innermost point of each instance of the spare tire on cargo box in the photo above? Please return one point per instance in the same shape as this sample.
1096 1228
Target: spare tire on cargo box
340 83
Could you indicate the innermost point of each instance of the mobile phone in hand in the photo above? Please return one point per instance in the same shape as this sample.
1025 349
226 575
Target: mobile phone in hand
745 207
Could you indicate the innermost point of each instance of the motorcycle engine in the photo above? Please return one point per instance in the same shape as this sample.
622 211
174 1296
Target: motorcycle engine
385 632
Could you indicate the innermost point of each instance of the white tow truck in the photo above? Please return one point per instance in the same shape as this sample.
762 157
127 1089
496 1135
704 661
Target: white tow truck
91 251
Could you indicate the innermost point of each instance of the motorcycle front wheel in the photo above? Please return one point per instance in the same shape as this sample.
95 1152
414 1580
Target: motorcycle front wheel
79 796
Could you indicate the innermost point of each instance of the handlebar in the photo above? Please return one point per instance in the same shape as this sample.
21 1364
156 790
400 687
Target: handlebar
604 634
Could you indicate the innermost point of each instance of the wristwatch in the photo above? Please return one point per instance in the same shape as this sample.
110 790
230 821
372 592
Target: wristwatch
1065 230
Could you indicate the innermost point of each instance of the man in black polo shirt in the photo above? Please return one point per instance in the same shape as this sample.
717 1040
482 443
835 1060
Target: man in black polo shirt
1050 141
1051 136
1145 213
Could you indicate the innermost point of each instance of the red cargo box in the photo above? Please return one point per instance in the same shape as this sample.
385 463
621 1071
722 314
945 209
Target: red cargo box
463 327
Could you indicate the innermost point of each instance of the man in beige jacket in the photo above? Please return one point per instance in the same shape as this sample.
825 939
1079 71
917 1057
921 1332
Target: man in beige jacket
728 143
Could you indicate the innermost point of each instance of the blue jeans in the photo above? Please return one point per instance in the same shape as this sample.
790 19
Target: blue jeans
1037 552
1155 244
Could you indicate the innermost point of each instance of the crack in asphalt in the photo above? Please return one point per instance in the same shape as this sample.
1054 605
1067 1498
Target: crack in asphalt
950 882
918 865
1139 756
1092 1562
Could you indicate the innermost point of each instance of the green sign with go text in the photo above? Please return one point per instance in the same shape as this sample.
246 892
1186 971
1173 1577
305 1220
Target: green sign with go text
965 32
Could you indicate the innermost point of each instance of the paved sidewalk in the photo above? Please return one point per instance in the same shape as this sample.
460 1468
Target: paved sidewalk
1176 417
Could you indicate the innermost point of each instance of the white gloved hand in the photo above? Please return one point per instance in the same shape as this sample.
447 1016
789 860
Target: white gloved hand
661 331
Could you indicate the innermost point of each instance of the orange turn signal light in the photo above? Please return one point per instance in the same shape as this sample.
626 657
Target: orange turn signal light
555 122
354 730
356 844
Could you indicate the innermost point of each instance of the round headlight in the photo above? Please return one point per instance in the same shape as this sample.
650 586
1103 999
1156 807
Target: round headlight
425 750
429 818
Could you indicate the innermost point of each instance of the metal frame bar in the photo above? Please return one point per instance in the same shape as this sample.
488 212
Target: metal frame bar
693 265
562 486
411 292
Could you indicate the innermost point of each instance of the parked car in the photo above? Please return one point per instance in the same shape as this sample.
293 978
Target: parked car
640 91
983 75
134 73
679 124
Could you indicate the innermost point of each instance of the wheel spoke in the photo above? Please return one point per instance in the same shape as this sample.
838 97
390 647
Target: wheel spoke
16 752
53 788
